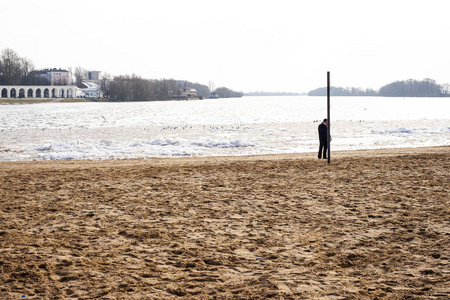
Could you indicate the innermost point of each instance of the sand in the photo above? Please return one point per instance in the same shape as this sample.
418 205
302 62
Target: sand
372 224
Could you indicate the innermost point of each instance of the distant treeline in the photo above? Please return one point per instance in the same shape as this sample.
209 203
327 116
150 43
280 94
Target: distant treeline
16 70
271 94
415 88
339 91
405 88
135 88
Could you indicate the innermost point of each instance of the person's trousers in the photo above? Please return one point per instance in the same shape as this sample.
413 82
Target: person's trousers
323 147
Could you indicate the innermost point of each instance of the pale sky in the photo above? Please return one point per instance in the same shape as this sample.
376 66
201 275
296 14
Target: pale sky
245 45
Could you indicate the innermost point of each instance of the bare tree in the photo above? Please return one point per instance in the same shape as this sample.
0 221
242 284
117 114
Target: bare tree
80 75
26 68
105 84
10 67
445 89
71 77
212 86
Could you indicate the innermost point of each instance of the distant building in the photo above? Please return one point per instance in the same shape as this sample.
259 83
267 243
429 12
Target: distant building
186 93
53 76
93 75
88 89
189 93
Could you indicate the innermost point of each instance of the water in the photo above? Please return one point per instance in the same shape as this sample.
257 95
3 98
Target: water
241 126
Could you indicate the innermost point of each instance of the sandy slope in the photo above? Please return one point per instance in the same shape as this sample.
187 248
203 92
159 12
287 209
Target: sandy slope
372 224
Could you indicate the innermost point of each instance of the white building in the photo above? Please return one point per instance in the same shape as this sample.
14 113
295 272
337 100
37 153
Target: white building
88 89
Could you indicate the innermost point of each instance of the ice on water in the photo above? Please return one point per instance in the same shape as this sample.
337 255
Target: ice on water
241 126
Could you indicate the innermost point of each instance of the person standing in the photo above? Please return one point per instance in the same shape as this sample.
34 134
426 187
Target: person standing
323 133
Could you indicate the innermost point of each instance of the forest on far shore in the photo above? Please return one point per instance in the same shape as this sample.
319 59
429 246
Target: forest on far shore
17 70
406 88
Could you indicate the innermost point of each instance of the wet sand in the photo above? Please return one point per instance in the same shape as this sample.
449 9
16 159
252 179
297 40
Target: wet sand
372 224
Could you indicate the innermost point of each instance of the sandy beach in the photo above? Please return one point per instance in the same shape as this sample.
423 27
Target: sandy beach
372 224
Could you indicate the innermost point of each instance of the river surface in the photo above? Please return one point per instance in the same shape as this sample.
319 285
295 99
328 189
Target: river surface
217 127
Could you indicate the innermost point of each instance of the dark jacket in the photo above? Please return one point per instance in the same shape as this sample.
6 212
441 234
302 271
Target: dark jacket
323 132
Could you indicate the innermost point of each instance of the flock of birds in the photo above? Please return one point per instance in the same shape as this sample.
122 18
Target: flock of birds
204 127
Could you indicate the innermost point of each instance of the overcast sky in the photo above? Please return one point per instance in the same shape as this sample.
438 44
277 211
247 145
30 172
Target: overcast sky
245 45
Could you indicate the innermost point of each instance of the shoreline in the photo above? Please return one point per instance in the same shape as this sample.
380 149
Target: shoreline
372 224
282 156
13 101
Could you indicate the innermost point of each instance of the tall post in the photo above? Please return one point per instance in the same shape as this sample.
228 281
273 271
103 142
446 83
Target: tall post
328 116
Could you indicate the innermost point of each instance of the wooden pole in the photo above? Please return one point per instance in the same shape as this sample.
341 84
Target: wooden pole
328 116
